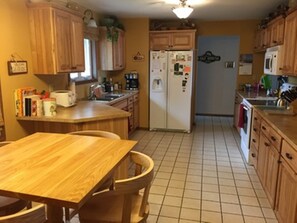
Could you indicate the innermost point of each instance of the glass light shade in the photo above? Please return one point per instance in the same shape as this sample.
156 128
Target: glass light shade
92 23
182 12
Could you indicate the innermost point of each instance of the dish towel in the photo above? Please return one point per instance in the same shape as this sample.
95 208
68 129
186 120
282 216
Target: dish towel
240 117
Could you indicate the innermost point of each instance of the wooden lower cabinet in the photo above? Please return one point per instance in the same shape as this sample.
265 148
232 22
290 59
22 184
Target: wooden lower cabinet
267 168
286 203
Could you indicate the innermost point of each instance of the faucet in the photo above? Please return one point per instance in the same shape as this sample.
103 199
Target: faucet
92 95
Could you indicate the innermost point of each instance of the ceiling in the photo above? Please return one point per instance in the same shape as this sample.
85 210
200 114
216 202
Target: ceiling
203 9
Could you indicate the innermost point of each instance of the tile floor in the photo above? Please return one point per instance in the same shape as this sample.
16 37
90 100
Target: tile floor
201 177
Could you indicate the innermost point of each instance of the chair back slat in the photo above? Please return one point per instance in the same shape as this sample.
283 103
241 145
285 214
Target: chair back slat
97 133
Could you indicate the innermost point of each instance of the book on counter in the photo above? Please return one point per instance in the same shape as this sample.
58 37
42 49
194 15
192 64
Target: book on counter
27 103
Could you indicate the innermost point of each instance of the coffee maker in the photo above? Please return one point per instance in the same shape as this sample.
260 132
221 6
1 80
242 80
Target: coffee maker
131 80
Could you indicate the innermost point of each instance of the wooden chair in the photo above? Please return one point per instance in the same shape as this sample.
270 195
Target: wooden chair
32 215
9 205
69 213
124 204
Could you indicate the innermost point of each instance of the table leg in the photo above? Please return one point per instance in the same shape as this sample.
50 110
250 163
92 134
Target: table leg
54 214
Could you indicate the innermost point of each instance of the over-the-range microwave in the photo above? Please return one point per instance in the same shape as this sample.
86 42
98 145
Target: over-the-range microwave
273 61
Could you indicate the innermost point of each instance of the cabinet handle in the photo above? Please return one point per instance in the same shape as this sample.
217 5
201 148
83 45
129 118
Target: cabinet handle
253 140
273 139
255 129
263 127
266 144
289 156
253 155
73 68
256 119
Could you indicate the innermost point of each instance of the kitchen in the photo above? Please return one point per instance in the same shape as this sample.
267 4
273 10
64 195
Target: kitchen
16 40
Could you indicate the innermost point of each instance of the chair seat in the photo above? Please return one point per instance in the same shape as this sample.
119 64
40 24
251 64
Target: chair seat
9 205
110 210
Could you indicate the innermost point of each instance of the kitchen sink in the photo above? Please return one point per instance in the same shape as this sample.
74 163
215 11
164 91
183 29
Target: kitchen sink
276 110
108 97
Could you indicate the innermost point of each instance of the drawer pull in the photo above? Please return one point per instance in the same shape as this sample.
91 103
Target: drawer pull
256 119
289 156
255 129
266 144
263 127
273 139
253 140
253 155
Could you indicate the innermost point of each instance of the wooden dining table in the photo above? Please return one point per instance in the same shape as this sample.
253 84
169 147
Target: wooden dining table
60 170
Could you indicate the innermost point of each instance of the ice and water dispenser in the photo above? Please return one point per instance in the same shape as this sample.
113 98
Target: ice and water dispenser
157 84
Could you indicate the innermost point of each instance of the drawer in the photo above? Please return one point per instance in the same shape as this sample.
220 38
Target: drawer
256 127
130 100
121 104
256 118
265 128
275 138
255 139
271 134
130 108
253 156
290 155
135 97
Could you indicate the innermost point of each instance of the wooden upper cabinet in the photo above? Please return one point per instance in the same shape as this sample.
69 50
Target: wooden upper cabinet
277 27
289 47
271 36
112 52
172 40
56 39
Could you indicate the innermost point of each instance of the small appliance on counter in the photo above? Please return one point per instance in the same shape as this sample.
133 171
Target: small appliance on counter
132 80
64 98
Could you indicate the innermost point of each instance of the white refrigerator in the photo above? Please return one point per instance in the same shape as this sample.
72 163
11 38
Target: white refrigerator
171 78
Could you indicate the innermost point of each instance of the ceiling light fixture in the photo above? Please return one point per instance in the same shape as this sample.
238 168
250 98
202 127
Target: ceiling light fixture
89 19
183 10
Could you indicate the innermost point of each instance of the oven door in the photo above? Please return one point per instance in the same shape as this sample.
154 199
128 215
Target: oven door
245 131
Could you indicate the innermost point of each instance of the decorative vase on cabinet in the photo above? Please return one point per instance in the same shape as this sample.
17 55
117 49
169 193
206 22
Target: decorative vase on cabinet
112 49
56 39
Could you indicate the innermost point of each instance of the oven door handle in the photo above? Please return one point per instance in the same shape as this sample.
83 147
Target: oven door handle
245 107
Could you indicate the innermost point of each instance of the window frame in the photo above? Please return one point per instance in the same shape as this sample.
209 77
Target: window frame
91 35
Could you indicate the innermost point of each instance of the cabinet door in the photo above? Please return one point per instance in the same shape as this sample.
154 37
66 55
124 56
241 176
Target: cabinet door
257 41
119 52
277 31
271 174
290 43
77 45
62 41
183 41
160 41
286 201
262 158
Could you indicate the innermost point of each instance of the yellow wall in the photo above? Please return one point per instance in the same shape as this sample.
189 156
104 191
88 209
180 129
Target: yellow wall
14 39
245 30
137 40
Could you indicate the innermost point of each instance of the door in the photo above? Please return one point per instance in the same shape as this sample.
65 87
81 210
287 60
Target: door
216 84
158 89
180 64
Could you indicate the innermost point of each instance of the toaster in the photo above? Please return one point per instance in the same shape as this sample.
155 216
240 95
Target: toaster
64 98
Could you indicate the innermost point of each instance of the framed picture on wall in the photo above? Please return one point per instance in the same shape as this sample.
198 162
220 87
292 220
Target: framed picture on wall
245 64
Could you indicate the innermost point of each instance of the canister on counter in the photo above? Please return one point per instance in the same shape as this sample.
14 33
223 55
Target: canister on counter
49 107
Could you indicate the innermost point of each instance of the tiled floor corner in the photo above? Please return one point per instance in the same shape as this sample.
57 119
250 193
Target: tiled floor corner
201 177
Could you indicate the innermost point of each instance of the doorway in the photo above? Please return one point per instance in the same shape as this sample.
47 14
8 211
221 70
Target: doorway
216 81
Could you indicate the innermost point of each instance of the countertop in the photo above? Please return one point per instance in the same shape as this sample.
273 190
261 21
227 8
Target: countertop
83 111
253 94
285 125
